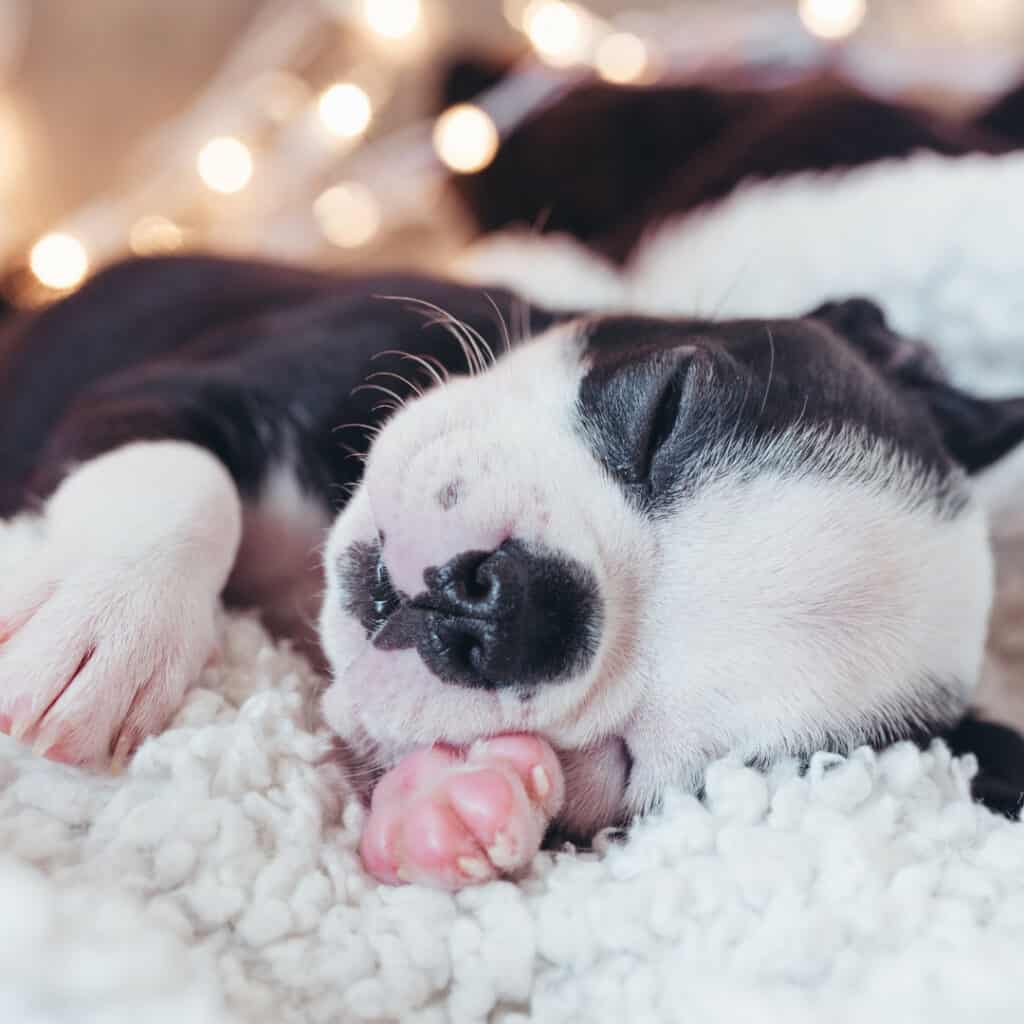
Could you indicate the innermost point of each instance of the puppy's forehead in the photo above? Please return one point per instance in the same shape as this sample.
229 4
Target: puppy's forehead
613 343
759 375
746 383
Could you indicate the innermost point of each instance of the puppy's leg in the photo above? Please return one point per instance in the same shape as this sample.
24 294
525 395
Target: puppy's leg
103 631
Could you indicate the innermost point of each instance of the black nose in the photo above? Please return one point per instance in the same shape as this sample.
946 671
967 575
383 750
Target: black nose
514 616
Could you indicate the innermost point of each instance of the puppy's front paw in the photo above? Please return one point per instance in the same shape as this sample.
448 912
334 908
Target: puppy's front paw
449 818
104 628
96 655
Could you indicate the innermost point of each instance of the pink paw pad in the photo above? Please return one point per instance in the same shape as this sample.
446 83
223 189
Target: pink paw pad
452 818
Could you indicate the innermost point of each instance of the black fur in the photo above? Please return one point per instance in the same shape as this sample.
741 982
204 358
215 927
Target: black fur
999 783
975 431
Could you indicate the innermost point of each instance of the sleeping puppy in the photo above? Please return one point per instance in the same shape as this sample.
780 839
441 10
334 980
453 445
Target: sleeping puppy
579 565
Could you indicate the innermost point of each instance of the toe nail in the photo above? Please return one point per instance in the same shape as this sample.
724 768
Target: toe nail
122 751
541 781
42 745
474 867
403 876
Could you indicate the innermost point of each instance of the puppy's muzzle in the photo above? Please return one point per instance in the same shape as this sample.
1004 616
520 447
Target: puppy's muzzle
515 616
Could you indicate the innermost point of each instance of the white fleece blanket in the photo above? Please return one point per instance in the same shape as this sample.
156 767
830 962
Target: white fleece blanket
216 879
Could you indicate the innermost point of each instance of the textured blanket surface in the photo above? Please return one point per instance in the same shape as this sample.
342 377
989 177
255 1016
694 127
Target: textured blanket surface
216 880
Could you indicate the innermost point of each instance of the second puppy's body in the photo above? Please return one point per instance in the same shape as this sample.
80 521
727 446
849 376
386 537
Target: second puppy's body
647 542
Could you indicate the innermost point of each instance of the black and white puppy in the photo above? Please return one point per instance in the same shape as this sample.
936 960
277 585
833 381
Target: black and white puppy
638 543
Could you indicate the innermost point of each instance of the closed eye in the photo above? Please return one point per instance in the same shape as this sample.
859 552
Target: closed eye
660 424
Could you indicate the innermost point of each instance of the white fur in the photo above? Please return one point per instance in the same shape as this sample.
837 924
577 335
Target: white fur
792 609
111 622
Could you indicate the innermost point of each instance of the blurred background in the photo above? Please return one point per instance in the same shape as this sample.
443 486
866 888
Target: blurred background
342 131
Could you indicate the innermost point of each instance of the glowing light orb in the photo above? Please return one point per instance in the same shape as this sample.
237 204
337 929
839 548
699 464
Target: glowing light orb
558 31
152 235
621 58
225 165
348 214
392 19
59 261
345 110
832 19
465 138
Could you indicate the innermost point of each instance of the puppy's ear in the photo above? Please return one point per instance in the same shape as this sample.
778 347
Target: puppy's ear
976 431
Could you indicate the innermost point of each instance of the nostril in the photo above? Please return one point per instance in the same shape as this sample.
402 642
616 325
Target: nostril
475 583
461 646
472 583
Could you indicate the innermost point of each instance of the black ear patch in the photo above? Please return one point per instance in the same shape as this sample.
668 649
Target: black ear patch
975 431
862 323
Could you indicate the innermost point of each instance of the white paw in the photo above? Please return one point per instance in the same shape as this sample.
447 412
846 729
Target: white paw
96 655
106 626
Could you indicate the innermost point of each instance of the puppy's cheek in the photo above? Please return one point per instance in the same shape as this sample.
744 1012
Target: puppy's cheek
338 710
384 696
342 636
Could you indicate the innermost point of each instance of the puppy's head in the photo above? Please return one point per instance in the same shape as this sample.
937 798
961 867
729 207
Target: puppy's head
654 542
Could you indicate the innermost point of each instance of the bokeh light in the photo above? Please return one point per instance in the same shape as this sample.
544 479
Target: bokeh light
348 214
465 138
345 110
225 165
154 235
59 261
832 19
621 58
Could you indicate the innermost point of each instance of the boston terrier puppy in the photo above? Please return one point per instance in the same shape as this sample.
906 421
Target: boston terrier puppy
562 562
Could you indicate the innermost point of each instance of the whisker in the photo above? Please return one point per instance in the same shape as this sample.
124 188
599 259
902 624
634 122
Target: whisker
541 220
413 387
348 489
771 371
468 331
472 336
383 390
354 453
738 276
368 428
527 318
441 368
453 330
502 323
440 377
468 338
739 416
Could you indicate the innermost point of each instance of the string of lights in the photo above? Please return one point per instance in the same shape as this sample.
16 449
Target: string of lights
254 165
